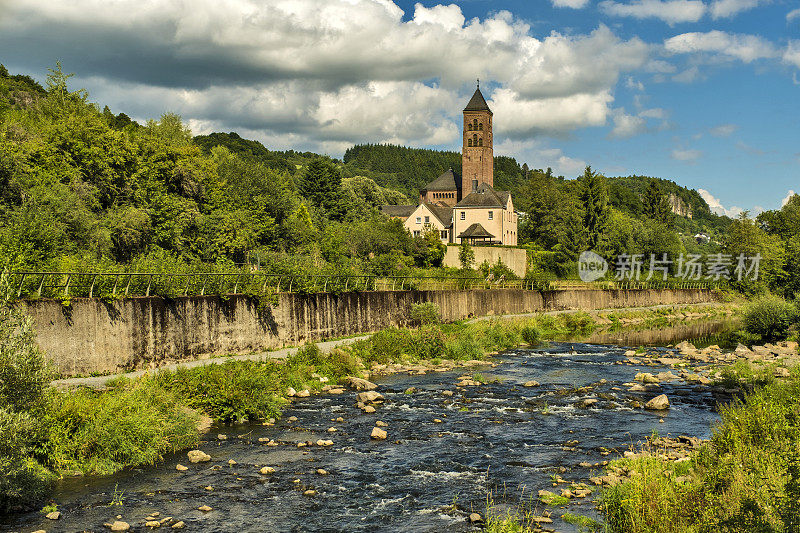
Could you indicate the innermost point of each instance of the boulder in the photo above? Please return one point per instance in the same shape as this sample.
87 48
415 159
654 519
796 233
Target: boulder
369 397
205 508
179 525
120 526
381 424
323 442
322 472
55 515
447 393
198 456
290 392
475 517
368 409
222 436
686 348
531 383
267 470
586 403
646 377
181 468
666 376
305 393
358 383
658 403
378 434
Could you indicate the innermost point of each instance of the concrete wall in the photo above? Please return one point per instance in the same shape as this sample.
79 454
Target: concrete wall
514 258
94 336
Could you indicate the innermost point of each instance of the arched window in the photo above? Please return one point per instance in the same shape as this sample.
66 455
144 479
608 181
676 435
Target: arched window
469 126
480 126
480 142
469 142
475 124
474 139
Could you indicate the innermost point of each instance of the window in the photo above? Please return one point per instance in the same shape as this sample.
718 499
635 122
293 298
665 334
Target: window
443 233
416 233
491 215
474 185
480 142
419 220
463 215
474 139
427 220
475 124
480 126
469 142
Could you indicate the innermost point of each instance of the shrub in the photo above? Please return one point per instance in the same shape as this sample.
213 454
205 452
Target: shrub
132 424
22 478
425 313
23 370
231 391
770 317
463 347
531 334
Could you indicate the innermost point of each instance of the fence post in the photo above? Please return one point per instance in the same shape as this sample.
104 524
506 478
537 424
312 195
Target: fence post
149 281
39 290
66 286
21 280
91 289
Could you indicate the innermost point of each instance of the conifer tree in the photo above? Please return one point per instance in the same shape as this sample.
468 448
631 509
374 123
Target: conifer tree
656 204
594 197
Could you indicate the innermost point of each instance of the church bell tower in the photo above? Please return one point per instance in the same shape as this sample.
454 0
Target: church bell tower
477 156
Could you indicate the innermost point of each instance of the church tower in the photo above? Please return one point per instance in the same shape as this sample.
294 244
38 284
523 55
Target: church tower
477 156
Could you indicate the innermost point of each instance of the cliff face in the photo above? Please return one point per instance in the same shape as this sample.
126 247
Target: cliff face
679 207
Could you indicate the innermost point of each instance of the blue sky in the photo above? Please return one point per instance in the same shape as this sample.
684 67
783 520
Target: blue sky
703 92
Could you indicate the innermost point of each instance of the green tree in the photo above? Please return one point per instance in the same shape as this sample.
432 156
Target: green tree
744 237
594 197
466 255
322 184
656 204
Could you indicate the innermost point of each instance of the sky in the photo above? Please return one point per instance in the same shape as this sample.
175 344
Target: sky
705 93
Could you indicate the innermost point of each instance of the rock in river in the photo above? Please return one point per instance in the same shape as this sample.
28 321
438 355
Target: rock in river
378 433
120 526
370 397
658 403
358 383
198 456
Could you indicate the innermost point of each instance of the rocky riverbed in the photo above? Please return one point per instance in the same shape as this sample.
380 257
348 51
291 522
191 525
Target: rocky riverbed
423 447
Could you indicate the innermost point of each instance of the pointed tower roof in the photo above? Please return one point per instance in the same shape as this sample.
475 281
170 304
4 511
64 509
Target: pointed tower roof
478 102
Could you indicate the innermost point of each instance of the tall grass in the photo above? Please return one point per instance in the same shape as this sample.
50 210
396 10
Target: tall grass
746 479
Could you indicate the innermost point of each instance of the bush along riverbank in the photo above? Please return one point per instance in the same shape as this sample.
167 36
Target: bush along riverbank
747 477
46 434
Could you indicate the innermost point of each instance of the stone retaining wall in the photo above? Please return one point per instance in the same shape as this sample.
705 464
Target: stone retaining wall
92 336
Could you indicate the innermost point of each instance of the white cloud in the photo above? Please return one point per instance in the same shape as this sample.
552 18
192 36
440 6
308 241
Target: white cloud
631 83
325 72
792 53
574 4
670 11
793 15
729 8
626 126
656 112
686 155
717 207
687 76
746 48
723 130
519 118
788 197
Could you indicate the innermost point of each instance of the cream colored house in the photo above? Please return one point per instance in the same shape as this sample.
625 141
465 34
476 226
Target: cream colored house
466 207
428 216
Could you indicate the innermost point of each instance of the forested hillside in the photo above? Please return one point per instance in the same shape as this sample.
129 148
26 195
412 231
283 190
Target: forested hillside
85 189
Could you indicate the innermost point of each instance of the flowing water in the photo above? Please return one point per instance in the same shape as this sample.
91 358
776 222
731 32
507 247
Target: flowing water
500 438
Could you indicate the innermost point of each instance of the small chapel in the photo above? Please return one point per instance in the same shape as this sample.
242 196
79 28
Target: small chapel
465 207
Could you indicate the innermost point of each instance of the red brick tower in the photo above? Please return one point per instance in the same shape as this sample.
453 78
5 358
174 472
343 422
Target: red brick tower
477 156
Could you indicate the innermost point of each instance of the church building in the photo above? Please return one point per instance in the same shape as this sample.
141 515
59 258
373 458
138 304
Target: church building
465 207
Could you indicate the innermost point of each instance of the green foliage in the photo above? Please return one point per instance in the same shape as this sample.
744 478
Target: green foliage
594 197
425 313
466 255
24 373
230 392
22 478
747 479
656 204
322 185
531 335
770 317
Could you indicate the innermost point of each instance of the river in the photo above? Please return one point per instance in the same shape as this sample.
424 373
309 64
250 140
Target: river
499 439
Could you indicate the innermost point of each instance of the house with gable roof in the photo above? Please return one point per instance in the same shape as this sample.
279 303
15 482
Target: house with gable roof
465 207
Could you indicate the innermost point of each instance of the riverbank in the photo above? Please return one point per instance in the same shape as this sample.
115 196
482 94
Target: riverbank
745 478
136 422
